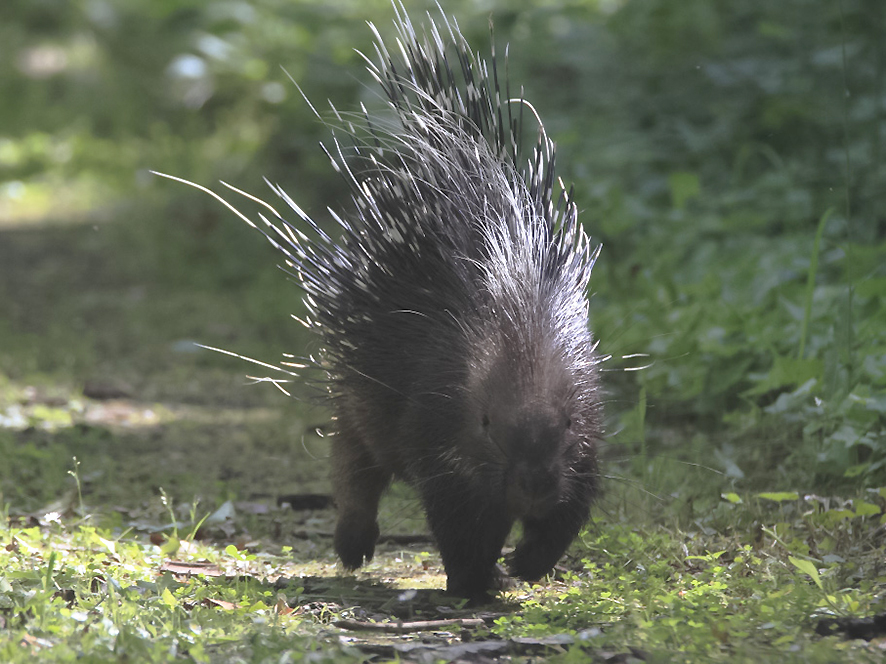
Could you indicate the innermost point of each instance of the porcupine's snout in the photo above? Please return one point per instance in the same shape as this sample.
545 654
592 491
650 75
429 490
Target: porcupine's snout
534 440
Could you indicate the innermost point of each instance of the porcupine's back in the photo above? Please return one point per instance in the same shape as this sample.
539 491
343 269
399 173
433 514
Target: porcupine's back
458 266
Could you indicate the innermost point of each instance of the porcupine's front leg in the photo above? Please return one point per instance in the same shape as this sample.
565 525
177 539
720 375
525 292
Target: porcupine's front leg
358 483
546 538
470 535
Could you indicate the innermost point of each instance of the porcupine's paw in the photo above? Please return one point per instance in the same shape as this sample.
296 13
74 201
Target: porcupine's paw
542 546
355 539
546 538
532 560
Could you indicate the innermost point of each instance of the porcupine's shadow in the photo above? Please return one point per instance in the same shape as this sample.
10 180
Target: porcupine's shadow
373 599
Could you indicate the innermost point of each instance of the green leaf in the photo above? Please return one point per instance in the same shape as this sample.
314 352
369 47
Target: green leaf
788 372
866 509
807 567
857 470
167 598
780 497
684 187
170 547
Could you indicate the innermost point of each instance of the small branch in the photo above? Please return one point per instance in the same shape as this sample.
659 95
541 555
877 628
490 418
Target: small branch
407 627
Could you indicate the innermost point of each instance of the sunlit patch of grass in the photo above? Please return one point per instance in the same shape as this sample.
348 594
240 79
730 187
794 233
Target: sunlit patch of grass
74 200
750 579
71 591
699 595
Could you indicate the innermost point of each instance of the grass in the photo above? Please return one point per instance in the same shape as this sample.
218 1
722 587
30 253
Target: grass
754 580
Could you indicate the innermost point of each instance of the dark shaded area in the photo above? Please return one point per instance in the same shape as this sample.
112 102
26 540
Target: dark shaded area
853 628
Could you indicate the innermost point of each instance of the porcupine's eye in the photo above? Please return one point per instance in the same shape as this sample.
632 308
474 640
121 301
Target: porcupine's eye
568 423
485 422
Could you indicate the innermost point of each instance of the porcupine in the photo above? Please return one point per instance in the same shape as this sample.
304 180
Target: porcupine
453 317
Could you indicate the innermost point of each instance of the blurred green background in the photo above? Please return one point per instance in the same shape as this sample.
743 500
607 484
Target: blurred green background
728 155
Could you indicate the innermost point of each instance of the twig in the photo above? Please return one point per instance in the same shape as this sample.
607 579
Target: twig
406 627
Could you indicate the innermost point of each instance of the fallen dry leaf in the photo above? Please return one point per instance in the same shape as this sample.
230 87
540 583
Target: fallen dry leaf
191 569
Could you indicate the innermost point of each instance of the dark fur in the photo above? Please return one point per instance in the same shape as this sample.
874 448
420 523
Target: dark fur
454 320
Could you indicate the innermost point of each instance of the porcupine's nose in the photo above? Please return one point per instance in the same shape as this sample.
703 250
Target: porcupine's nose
534 473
